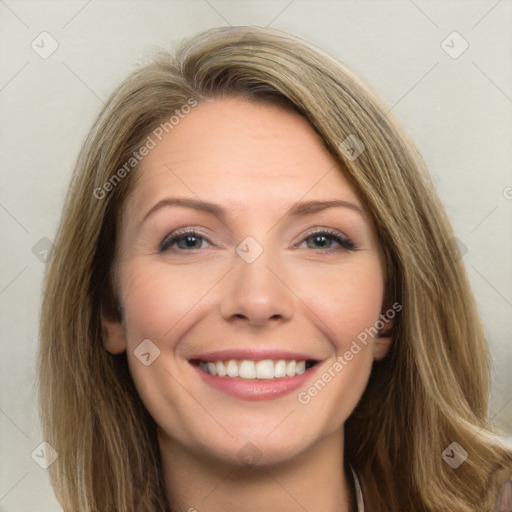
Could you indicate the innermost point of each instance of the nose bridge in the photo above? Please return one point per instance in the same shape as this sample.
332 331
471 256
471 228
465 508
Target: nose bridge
256 289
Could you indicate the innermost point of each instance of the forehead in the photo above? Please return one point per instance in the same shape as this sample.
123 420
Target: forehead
254 153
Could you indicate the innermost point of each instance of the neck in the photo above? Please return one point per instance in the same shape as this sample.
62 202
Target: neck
313 480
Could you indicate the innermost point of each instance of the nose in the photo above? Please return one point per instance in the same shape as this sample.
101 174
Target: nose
257 293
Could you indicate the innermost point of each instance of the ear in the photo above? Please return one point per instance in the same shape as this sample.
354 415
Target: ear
384 339
114 339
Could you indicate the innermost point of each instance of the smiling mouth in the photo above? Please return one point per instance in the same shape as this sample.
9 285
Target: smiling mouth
266 369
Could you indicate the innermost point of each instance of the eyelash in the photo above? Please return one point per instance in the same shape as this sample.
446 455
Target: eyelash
345 244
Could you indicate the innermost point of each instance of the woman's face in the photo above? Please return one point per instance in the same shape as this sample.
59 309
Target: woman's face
243 246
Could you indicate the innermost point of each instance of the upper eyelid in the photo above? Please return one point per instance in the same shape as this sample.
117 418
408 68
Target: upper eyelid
331 231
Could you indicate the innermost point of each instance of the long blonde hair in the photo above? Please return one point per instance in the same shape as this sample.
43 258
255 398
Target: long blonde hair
431 390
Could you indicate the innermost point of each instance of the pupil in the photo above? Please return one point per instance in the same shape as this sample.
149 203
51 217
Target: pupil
190 241
320 240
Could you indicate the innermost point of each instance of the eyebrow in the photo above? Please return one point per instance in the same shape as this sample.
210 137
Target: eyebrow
298 209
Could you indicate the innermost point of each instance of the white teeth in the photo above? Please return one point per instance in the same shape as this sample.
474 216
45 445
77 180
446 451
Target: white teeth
300 367
246 369
221 369
280 369
265 369
212 368
290 368
232 368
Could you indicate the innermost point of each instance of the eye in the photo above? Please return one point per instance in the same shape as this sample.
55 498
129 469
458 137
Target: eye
324 240
185 240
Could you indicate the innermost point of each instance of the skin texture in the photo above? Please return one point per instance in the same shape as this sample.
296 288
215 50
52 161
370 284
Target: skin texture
255 160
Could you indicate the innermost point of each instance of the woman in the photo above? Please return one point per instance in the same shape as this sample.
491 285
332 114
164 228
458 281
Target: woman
254 302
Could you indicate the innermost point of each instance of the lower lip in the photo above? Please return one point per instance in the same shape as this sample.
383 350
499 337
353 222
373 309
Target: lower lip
256 389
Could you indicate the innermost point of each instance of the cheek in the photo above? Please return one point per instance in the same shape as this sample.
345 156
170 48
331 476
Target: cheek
156 299
350 307
350 302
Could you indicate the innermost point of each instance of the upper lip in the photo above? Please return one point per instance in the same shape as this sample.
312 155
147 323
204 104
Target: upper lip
252 355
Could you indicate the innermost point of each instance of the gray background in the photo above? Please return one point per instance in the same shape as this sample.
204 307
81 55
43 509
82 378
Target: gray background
458 111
